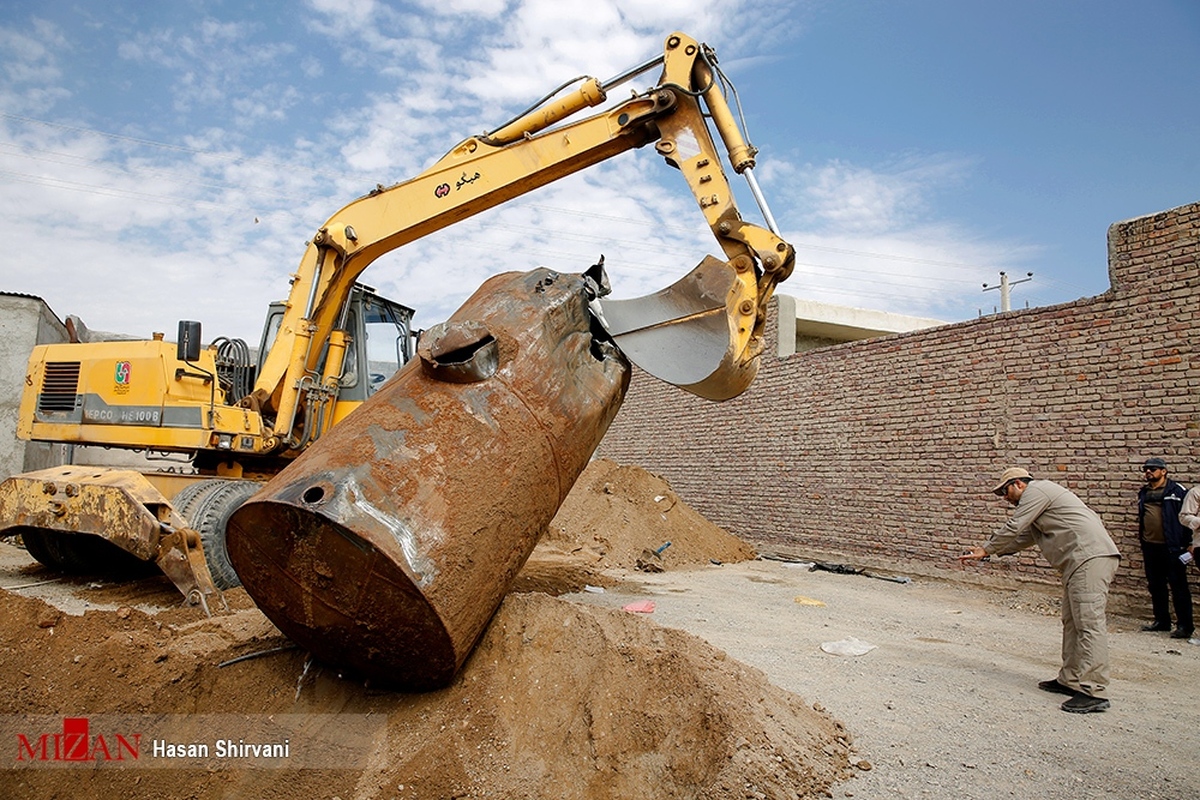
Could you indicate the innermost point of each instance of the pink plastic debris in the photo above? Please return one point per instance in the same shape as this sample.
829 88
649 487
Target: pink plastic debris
640 607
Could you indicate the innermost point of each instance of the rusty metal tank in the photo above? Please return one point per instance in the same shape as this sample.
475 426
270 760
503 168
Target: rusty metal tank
389 544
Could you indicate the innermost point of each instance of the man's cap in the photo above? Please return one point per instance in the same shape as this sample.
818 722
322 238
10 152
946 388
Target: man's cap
1154 463
1010 474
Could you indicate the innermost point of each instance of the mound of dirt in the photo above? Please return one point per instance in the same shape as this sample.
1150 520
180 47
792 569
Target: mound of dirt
615 518
558 701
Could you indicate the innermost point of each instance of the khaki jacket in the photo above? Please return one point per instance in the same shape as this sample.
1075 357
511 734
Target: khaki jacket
1067 531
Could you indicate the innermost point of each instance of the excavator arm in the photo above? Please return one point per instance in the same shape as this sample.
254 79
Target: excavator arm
703 333
721 303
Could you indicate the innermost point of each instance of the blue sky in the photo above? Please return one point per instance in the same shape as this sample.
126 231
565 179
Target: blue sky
161 161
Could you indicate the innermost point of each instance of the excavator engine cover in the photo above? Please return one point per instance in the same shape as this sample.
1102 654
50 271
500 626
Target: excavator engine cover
387 546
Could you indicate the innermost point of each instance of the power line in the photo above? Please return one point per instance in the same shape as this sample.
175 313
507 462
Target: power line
795 243
1004 286
269 196
573 212
169 200
70 160
160 145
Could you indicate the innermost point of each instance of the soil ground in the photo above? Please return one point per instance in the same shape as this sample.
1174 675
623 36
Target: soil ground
946 704
721 690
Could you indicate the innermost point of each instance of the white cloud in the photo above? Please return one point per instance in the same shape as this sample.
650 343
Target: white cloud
213 63
846 197
30 49
355 13
873 237
133 235
30 66
934 270
481 8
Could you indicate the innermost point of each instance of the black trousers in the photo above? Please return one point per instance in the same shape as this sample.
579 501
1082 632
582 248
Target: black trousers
1167 579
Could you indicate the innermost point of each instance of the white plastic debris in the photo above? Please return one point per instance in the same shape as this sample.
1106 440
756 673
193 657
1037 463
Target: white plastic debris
847 647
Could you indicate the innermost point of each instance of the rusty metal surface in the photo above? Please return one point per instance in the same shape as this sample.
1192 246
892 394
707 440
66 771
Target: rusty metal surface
388 545
78 499
181 558
121 506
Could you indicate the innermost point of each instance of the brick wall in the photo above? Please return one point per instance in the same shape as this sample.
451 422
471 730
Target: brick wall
881 452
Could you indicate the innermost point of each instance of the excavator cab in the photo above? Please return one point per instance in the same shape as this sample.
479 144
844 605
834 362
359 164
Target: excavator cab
382 341
387 339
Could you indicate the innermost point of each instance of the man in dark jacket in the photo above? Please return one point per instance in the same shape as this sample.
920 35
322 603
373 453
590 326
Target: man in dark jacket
1164 539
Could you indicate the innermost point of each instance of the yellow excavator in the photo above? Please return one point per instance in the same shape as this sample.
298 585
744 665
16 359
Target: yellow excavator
238 421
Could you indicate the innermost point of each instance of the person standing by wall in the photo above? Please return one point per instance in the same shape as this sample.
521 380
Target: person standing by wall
1189 515
1073 539
1164 538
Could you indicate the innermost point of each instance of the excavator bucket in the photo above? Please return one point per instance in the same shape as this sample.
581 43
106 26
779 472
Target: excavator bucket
696 333
387 546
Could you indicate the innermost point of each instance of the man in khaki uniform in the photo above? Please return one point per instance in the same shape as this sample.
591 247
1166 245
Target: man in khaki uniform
1073 539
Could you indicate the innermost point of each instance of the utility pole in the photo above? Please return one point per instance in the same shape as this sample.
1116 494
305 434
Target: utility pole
1005 286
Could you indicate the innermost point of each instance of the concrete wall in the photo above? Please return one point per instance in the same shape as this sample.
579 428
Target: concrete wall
881 452
25 321
806 324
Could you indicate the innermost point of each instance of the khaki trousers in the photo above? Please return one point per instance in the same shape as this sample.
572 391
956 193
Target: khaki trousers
1085 665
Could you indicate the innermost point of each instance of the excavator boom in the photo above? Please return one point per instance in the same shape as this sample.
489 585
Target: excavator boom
532 151
387 545
233 425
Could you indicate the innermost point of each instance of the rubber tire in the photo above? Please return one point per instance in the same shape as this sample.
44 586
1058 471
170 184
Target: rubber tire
206 506
83 554
185 501
38 545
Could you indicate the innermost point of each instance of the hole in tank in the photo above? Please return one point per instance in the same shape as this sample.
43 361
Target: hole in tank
314 494
463 355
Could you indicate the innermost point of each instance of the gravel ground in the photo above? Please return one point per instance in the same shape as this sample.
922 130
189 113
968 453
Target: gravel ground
946 704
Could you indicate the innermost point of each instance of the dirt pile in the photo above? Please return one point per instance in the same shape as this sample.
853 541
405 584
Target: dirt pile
559 699
613 515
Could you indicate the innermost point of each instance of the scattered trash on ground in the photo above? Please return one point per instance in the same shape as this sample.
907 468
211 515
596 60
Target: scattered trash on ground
640 607
787 561
847 647
892 578
651 560
808 601
840 569
845 569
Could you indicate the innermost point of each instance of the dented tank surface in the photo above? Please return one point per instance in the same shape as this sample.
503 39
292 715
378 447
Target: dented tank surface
389 544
